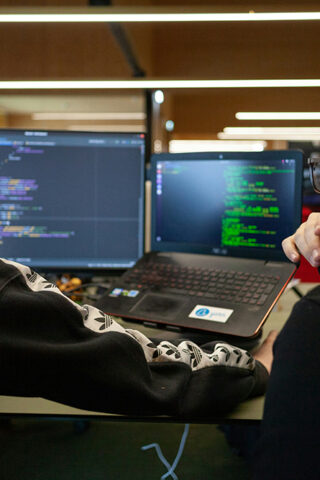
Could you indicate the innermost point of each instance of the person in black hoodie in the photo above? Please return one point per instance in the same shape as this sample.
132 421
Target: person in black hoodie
289 444
75 354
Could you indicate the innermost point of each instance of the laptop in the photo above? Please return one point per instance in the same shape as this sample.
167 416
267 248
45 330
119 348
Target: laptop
217 222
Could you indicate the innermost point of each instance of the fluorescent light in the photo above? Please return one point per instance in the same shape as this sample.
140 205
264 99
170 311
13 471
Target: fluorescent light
271 133
88 116
154 84
145 15
107 128
284 130
278 115
182 146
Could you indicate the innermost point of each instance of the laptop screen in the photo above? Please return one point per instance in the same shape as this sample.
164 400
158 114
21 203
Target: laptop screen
235 204
72 200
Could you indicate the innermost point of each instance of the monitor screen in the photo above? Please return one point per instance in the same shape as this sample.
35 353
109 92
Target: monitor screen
72 200
235 204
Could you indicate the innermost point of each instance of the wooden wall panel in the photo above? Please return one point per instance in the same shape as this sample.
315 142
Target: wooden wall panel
238 50
60 51
44 3
202 114
186 51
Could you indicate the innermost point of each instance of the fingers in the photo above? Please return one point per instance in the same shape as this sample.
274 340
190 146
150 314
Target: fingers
317 230
290 249
315 258
306 241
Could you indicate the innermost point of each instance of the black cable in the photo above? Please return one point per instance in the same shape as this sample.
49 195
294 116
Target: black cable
297 291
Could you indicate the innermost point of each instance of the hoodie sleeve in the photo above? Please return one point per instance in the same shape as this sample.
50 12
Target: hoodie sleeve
53 348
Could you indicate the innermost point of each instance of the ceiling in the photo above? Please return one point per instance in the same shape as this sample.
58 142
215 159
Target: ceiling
233 50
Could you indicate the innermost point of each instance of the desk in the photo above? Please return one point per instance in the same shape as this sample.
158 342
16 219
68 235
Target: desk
251 410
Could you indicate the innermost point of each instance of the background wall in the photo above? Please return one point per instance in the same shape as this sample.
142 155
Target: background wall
178 51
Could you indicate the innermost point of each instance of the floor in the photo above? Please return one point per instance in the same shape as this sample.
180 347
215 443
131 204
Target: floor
64 450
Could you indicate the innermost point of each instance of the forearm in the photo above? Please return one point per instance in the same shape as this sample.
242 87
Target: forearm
54 348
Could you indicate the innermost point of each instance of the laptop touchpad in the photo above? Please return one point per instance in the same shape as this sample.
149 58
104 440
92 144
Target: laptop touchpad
153 304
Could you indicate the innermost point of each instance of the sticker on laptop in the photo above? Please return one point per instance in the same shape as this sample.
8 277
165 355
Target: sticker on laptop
121 292
214 314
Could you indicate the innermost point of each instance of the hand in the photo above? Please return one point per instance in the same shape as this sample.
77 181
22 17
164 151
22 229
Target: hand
306 241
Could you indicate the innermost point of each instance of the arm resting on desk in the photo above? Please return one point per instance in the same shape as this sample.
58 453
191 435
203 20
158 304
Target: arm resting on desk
53 348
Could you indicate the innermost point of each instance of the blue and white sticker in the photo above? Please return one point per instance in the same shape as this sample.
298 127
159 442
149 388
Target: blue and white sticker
214 314
116 292
121 292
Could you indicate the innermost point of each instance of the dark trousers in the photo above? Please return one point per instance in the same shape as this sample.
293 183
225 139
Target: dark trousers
289 445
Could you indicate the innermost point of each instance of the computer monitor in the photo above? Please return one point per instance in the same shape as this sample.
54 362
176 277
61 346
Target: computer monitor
72 201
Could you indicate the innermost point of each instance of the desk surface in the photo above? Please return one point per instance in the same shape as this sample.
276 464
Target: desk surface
250 410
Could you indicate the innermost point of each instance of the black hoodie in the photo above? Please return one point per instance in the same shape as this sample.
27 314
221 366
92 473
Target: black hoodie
53 348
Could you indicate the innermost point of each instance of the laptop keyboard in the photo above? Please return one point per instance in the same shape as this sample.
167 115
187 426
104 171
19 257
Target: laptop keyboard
226 285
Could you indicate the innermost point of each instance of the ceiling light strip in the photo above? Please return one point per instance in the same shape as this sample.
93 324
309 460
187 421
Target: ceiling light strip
278 115
270 130
270 136
153 84
88 116
270 133
158 17
181 146
108 128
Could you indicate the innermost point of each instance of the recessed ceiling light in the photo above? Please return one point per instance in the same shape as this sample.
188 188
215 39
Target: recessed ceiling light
158 96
